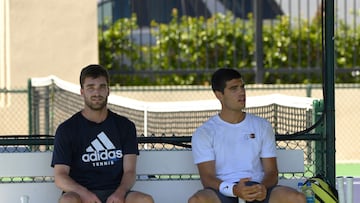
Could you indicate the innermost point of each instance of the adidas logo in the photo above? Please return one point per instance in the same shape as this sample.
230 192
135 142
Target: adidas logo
101 151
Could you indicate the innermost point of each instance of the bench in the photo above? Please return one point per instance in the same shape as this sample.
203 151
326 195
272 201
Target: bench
169 176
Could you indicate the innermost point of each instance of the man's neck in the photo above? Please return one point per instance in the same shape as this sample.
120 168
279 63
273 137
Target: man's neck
232 116
96 116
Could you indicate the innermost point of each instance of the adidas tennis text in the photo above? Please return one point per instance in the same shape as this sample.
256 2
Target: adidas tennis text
105 155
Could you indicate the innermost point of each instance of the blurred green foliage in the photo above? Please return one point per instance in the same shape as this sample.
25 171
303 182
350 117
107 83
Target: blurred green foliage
188 50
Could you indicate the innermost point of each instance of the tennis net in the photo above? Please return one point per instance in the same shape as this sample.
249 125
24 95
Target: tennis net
53 100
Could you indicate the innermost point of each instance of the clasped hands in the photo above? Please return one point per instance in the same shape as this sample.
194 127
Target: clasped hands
249 191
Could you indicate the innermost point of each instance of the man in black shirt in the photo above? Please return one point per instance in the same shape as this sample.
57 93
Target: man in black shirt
95 150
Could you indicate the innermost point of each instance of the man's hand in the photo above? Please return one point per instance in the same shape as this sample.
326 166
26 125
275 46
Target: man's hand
89 197
261 194
249 191
116 197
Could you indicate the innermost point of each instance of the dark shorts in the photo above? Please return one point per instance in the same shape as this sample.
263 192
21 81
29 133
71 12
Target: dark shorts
226 199
104 194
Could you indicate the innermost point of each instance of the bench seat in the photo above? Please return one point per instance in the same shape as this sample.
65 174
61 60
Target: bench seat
169 176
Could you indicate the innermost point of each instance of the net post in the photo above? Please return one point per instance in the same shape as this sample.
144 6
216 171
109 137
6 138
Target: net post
145 121
29 106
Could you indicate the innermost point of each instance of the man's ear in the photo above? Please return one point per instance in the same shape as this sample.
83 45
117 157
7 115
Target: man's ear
219 95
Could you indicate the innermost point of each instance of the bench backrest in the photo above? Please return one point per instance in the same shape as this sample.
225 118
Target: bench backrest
169 176
169 163
181 162
23 165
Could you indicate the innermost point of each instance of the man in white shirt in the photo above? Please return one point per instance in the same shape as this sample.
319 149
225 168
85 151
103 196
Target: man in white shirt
236 152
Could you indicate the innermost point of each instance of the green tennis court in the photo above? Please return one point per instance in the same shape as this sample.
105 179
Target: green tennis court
348 169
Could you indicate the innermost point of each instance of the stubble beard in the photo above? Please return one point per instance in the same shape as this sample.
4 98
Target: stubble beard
96 106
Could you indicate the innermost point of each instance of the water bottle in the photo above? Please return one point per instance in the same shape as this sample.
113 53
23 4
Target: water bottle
309 193
299 186
24 199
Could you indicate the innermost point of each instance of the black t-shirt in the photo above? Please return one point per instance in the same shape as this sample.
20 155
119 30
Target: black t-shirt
94 151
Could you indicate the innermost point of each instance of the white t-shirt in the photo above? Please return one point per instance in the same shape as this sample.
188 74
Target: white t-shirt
236 148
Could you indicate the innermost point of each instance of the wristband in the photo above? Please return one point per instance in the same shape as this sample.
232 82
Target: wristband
226 189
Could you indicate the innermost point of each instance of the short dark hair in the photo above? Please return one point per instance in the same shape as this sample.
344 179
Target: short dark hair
94 71
221 76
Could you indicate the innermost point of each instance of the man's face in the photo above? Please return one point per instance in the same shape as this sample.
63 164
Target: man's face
234 97
95 92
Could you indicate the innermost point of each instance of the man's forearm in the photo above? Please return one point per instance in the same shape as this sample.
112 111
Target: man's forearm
270 180
127 182
66 184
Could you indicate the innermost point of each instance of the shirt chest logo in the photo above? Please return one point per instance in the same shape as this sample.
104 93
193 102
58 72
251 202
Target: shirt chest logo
101 152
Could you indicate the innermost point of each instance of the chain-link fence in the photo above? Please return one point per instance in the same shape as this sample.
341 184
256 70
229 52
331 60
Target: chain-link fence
18 112
14 108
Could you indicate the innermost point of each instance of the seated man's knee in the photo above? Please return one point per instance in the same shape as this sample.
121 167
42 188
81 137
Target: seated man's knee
204 196
70 197
147 198
300 198
283 194
139 197
196 198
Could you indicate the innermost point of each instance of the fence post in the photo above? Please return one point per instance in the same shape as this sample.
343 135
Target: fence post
318 107
329 83
259 52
